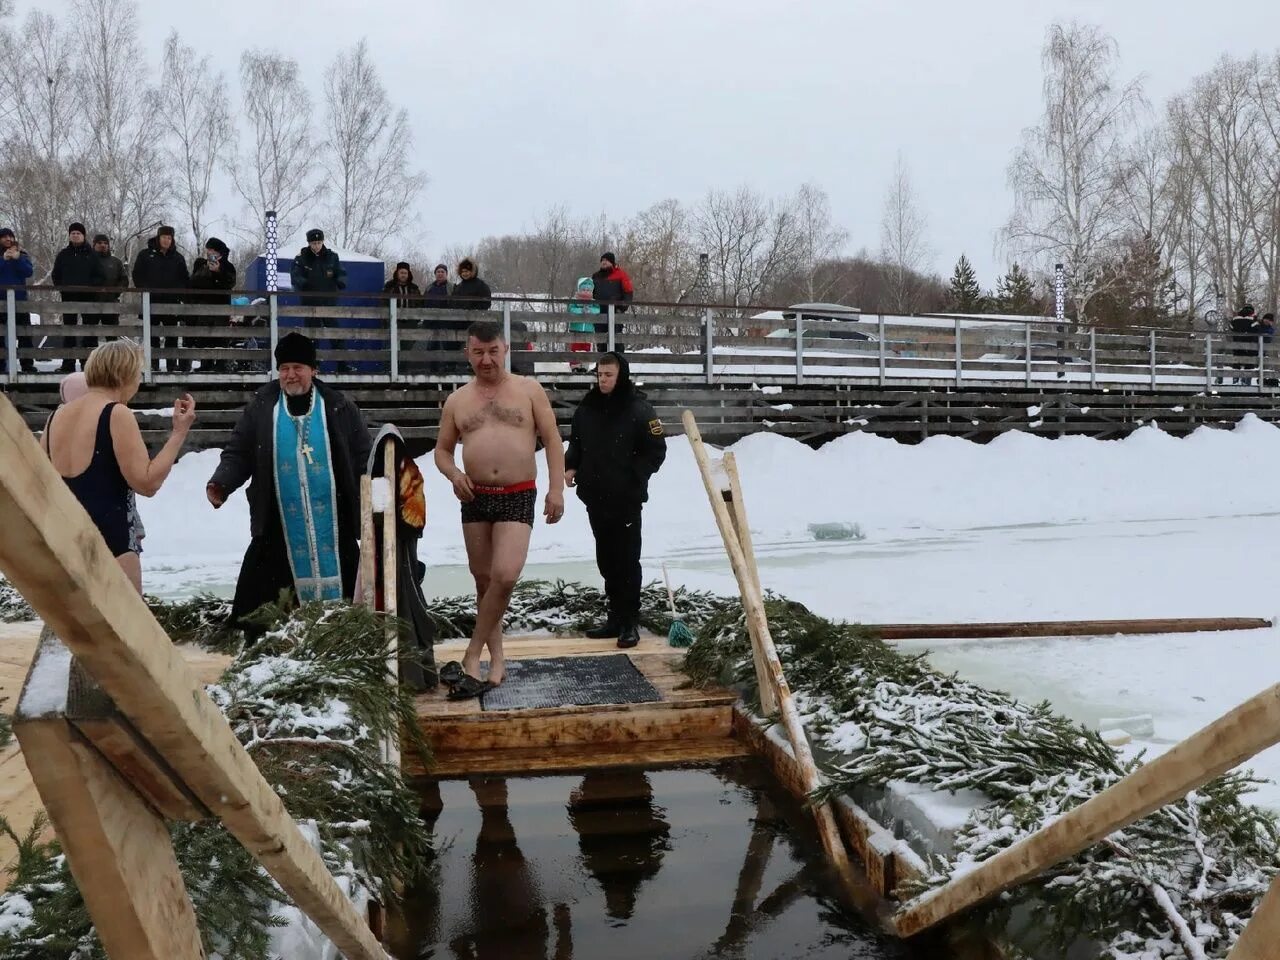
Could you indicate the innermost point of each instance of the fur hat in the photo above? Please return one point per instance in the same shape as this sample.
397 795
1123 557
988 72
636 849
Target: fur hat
164 231
315 233
76 227
466 263
216 245
295 348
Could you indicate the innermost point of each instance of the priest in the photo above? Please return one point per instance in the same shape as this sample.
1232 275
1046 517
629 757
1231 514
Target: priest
301 445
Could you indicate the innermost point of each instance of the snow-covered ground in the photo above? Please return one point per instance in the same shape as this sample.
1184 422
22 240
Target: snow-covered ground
1020 528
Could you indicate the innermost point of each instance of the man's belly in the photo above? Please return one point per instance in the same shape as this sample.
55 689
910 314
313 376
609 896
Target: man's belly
497 456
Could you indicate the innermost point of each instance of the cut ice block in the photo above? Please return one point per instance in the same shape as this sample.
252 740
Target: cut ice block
835 531
1139 726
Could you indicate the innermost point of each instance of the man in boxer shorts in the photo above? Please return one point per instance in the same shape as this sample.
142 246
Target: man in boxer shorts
498 417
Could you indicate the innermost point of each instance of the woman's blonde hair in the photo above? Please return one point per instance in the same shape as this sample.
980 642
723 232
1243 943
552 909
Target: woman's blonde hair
114 364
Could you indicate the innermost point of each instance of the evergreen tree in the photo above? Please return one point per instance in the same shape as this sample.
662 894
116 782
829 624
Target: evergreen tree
1016 294
1134 286
965 294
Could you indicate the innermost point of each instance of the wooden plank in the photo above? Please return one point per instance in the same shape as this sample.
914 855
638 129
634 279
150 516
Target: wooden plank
753 603
575 757
117 847
390 514
1062 628
1224 744
53 555
1261 938
626 723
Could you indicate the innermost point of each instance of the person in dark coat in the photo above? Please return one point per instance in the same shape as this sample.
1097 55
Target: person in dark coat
612 286
76 265
16 269
318 271
407 296
297 540
436 296
160 268
214 277
115 276
617 444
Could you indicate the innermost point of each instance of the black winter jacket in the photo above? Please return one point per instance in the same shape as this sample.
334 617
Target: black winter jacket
114 274
407 295
202 278
317 274
475 289
156 270
248 457
436 296
616 445
78 267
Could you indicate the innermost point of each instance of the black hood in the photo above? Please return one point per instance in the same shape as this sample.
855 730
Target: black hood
622 392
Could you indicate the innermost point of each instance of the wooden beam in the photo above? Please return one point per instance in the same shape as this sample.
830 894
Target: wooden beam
51 552
1061 628
1221 746
368 565
1262 935
753 604
390 514
117 846
738 514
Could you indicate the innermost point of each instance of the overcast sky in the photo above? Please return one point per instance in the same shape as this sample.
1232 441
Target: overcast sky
608 107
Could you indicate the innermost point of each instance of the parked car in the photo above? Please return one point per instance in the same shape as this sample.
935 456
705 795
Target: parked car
817 320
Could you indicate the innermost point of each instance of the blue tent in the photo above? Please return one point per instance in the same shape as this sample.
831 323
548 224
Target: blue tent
365 275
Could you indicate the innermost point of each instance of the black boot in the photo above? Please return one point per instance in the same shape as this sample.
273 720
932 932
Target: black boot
606 631
629 636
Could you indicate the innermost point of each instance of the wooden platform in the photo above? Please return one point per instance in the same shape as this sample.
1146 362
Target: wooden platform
19 802
688 725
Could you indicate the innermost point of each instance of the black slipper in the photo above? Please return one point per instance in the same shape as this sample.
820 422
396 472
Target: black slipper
469 687
451 673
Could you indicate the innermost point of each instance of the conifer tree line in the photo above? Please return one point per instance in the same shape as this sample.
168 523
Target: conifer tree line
1160 214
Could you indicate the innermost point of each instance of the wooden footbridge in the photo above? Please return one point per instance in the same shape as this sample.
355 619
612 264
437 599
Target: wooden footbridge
163 751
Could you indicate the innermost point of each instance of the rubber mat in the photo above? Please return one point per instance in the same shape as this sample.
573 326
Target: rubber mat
570 681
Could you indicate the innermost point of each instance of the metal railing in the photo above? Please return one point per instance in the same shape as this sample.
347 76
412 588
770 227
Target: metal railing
380 340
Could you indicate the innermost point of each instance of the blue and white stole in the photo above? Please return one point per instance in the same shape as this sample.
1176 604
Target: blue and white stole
308 502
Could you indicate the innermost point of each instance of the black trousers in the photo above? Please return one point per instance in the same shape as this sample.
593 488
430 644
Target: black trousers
617 534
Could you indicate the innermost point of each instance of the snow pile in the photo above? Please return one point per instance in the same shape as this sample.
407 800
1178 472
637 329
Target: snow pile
890 489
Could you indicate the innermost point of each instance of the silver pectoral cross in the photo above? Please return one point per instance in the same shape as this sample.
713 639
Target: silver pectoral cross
307 450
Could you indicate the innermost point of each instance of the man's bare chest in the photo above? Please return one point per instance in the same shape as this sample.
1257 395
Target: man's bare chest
499 412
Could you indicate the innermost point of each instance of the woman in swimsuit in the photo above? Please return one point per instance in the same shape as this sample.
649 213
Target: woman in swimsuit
95 444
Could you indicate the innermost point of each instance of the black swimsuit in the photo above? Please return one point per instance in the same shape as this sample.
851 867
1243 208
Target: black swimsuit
101 488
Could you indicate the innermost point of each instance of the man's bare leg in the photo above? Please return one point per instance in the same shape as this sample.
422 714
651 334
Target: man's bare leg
509 548
478 538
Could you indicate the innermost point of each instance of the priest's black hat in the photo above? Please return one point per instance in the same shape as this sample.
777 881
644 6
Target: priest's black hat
295 348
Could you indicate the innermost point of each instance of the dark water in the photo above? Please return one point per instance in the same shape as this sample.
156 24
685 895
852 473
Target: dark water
619 864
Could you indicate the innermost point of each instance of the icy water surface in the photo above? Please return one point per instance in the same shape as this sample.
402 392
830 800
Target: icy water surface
620 864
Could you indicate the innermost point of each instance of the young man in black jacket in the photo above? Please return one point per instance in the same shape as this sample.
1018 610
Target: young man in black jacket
317 269
162 269
215 276
616 446
76 265
115 276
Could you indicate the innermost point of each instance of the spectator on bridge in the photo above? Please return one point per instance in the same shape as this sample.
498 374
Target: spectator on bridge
162 269
115 275
437 295
15 269
76 265
1266 327
215 276
583 303
470 292
612 286
317 270
402 289
1244 338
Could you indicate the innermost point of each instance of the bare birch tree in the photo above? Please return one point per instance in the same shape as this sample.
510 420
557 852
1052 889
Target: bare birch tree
657 247
821 239
196 114
375 192
277 169
752 242
1068 177
125 184
904 250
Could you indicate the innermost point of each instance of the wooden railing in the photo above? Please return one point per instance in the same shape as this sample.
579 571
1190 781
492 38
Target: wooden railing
377 341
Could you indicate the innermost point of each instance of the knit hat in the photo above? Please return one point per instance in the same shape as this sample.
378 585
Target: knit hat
315 234
216 245
295 348
440 266
610 257
77 227
101 238
165 231
6 232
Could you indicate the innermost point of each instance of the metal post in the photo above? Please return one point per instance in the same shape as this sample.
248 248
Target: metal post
506 329
707 329
1262 363
393 326
1153 359
880 328
273 255
611 328
1027 352
146 336
274 301
799 348
1208 361
959 355
1093 357
11 333
1059 292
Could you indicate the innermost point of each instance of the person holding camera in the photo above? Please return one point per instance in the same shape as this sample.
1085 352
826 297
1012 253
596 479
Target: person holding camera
215 276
